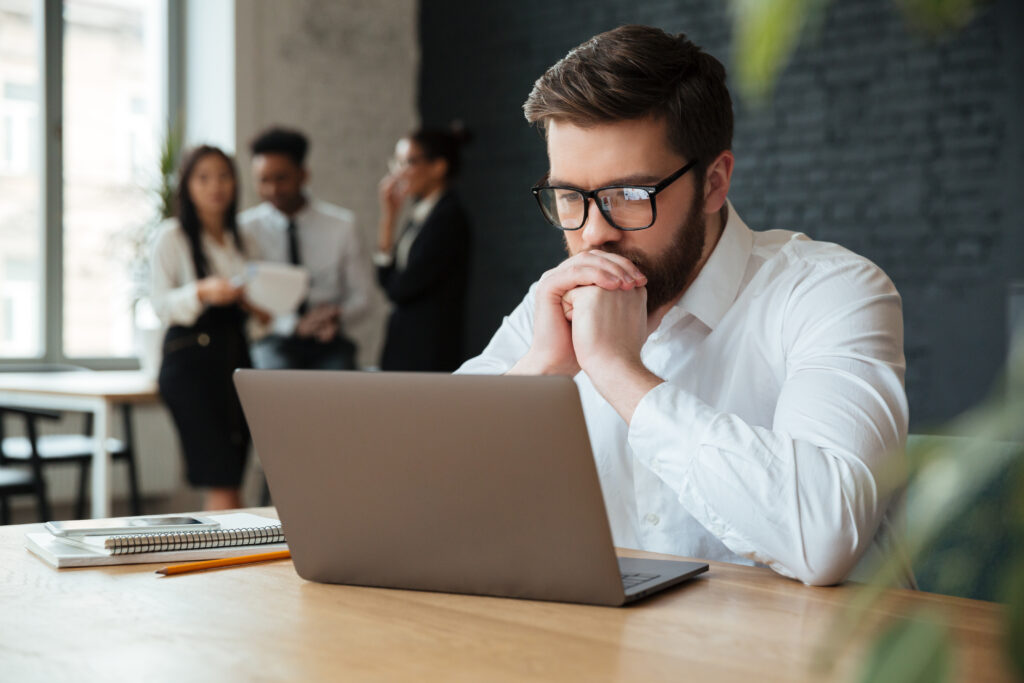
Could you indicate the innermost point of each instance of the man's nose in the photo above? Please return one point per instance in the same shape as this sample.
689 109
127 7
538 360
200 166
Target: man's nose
597 230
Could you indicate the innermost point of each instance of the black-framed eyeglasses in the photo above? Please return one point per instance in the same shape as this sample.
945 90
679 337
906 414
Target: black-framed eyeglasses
625 207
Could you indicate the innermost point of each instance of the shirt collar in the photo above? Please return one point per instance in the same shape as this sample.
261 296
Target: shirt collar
423 207
282 219
715 288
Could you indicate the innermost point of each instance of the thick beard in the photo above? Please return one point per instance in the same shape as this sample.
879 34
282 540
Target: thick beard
668 273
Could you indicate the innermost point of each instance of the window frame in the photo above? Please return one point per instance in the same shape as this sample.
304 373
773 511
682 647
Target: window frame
50 39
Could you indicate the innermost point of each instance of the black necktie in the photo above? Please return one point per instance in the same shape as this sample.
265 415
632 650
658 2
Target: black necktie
293 243
293 255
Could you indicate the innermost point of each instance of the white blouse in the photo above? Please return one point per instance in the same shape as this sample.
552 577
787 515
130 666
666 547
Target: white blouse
173 293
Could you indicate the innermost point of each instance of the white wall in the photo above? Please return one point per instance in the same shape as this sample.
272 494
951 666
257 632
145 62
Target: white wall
345 73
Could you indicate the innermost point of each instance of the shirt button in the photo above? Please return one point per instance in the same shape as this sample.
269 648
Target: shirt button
652 519
203 339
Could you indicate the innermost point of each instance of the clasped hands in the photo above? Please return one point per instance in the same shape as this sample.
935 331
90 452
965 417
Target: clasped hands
321 322
591 315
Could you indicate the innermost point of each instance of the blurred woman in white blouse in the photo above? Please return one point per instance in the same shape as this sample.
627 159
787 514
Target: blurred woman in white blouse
195 258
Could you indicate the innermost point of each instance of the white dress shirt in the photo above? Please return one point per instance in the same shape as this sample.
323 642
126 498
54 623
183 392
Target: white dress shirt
783 403
173 292
330 248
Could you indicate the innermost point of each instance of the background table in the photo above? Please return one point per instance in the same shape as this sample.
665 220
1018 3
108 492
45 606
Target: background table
93 392
264 623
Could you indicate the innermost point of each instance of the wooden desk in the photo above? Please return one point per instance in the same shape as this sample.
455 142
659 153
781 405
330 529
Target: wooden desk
93 392
264 623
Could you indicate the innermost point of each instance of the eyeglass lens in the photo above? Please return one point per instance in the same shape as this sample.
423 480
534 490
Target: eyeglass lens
624 207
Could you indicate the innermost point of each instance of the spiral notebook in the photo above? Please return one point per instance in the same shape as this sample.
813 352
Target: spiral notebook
237 535
129 544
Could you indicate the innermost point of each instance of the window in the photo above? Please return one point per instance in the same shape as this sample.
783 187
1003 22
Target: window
113 115
21 227
105 65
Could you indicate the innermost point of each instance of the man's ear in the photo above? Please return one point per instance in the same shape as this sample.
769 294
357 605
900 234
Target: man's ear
717 177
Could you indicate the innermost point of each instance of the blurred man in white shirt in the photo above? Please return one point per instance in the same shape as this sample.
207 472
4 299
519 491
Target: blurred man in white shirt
743 390
292 227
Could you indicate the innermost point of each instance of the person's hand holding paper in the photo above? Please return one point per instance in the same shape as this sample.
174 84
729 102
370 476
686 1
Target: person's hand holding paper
276 288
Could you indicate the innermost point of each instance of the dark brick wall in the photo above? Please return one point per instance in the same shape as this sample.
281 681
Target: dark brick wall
902 149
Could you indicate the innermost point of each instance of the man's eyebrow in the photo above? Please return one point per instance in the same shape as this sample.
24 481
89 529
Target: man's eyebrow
635 179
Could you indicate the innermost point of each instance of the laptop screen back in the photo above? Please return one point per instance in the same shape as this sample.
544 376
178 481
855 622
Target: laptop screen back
467 484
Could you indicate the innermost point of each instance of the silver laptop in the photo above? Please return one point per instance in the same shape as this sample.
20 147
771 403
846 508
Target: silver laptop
461 484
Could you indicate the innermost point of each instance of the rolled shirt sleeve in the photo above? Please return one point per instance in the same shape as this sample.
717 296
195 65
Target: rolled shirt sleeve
357 276
806 495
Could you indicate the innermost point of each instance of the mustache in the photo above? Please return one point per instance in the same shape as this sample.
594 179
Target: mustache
636 258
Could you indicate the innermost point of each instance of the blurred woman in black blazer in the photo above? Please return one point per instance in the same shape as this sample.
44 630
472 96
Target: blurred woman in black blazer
423 263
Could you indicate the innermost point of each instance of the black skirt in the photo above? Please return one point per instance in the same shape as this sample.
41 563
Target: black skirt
196 384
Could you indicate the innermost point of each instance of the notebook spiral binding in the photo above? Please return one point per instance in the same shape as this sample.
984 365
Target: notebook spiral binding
126 544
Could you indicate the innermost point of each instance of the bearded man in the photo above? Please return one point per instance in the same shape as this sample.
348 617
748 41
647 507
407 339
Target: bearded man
743 390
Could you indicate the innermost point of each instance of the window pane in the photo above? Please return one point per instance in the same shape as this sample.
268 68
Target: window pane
21 231
113 114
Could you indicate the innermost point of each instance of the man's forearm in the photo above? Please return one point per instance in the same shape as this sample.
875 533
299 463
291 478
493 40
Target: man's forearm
622 383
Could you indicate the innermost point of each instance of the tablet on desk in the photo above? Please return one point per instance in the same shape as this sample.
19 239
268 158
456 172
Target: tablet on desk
131 525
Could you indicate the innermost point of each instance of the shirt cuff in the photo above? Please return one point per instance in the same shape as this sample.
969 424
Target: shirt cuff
284 325
383 259
666 432
185 306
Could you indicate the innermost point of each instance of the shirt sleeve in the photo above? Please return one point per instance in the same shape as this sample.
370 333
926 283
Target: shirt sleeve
174 293
509 343
806 495
252 249
357 274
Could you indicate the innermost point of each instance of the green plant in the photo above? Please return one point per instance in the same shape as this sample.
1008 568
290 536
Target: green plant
137 241
766 33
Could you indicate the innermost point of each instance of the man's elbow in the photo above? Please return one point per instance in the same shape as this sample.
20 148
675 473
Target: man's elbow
830 575
827 560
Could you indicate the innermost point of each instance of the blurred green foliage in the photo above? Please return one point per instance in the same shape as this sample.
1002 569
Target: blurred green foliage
167 164
133 244
938 17
766 33
965 506
926 636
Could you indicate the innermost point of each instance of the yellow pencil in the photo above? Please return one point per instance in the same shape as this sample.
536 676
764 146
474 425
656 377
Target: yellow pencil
226 562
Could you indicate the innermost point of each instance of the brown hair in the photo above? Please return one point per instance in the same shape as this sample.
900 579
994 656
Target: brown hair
633 72
443 143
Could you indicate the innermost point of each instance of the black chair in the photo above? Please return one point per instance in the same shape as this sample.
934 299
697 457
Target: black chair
68 449
25 479
74 449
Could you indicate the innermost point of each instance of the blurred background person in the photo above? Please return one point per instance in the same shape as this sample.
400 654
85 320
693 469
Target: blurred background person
292 227
423 265
195 257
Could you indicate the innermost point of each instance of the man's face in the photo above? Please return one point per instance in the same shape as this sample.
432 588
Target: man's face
279 181
633 152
